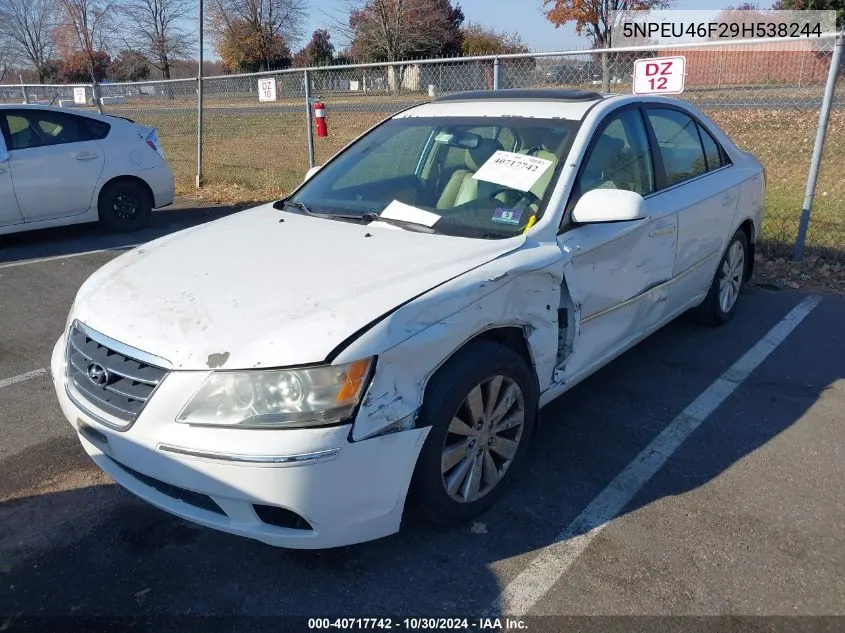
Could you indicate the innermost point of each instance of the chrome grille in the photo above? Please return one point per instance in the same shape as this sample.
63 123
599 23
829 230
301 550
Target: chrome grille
112 381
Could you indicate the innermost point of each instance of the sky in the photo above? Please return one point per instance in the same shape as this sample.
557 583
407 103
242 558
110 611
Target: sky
525 17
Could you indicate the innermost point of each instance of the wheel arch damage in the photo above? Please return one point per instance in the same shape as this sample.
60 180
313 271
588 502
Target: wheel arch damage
515 300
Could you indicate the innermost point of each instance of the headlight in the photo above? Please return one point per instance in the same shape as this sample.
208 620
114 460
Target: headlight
284 398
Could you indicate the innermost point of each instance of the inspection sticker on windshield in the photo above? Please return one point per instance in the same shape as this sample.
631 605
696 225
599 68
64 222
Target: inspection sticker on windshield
507 216
515 171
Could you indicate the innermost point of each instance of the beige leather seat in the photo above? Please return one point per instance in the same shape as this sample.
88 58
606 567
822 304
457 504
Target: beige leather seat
462 187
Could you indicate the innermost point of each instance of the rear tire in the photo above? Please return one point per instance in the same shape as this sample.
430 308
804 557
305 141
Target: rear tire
488 385
124 206
720 304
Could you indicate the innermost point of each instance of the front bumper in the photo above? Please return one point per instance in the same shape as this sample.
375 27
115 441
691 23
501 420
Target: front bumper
347 492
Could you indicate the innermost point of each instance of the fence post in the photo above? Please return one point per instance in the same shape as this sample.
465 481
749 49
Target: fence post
200 24
824 116
23 90
496 74
309 124
95 93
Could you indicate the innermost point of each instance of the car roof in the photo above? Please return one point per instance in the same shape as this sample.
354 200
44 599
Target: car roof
529 103
108 118
532 103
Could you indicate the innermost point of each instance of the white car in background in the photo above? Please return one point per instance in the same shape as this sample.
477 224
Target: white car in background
62 167
296 372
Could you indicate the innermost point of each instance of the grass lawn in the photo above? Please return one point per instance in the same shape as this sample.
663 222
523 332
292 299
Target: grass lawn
255 156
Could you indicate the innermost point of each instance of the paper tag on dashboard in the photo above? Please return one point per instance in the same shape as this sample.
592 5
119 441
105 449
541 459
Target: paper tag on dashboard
515 171
400 211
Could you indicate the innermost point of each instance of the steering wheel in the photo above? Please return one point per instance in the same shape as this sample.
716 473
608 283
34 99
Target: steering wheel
523 195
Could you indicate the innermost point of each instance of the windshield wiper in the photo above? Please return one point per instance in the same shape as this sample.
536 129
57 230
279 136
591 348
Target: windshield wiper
302 208
296 205
362 218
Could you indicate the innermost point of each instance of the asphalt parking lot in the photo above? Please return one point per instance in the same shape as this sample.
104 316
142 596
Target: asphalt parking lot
700 474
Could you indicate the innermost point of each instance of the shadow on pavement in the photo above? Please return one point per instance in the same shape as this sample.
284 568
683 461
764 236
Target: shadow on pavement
81 238
139 562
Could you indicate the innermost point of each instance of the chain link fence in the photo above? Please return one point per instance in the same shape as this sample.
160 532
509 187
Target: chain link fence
767 96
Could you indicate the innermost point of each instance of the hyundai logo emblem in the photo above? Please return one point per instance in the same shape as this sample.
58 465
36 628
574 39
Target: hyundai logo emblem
98 375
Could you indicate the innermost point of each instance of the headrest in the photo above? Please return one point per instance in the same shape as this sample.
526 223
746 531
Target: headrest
476 157
537 137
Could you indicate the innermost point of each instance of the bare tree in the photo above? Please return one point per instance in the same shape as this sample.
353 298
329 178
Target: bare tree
5 59
259 24
91 22
156 32
394 30
27 26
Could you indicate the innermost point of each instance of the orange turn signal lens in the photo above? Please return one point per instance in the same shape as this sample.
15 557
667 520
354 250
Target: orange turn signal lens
356 374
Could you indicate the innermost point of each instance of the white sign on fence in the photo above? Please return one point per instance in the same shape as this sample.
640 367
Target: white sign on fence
660 75
353 84
79 96
267 89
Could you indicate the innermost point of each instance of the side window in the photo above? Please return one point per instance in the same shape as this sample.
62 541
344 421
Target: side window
36 128
714 154
679 145
620 157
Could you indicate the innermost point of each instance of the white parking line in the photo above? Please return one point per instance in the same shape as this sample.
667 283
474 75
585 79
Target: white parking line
24 262
35 373
523 592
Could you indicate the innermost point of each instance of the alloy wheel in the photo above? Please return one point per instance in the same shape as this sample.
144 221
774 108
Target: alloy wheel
730 282
482 439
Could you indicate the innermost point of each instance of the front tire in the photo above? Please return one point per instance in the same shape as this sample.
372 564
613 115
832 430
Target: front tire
720 304
124 206
482 409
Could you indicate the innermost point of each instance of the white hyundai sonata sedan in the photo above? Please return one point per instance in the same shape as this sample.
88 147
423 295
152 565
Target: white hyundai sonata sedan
61 167
302 372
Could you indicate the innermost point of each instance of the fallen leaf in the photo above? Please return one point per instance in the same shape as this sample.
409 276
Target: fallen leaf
478 528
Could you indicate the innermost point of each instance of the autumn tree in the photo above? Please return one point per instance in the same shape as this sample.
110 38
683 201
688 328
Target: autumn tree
254 35
814 5
77 67
394 30
129 66
481 40
243 49
318 52
26 25
155 30
593 18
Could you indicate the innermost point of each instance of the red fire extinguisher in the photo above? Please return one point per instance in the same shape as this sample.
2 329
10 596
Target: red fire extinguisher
320 114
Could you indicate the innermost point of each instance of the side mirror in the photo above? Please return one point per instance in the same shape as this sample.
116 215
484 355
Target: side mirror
311 172
4 155
609 205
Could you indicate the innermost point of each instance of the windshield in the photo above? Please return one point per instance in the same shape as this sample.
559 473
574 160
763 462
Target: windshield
481 177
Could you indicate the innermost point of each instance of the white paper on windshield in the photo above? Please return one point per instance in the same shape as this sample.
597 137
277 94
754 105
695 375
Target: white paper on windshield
400 211
516 171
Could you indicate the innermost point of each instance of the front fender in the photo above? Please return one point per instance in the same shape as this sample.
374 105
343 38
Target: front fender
518 290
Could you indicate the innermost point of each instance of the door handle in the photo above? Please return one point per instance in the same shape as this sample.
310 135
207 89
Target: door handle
2 170
662 231
85 155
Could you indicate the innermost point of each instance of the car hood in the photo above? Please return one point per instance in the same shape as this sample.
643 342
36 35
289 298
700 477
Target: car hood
251 291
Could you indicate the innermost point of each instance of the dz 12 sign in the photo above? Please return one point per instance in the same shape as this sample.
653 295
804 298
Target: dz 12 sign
79 96
660 75
267 89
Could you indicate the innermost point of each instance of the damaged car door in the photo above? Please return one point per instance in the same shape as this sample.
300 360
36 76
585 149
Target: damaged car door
621 246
